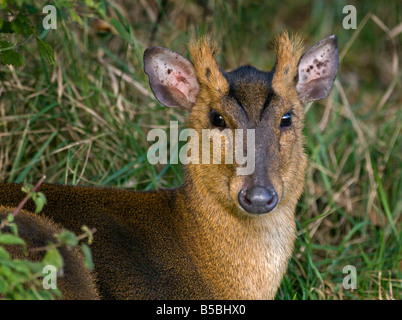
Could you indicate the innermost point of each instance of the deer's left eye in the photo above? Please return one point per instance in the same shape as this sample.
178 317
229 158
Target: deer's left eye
286 120
217 120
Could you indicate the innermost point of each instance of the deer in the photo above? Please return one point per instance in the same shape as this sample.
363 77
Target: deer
220 235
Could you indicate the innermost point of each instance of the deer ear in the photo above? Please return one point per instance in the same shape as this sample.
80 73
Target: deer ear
172 77
317 70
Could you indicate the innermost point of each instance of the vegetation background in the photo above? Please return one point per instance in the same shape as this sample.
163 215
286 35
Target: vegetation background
76 106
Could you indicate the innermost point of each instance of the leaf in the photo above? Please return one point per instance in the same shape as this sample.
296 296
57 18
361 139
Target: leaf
8 55
35 267
67 238
6 272
4 255
40 200
87 256
7 238
13 228
10 217
3 285
4 44
90 3
27 187
21 270
46 51
12 57
89 233
53 258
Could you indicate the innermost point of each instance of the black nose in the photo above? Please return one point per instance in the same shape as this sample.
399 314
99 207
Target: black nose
258 199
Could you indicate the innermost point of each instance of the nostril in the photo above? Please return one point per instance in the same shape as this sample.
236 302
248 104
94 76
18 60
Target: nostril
245 198
274 198
270 201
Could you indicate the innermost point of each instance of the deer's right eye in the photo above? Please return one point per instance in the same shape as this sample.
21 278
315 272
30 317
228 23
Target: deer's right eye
286 120
217 120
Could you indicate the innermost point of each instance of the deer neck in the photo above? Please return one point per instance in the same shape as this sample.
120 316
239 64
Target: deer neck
243 256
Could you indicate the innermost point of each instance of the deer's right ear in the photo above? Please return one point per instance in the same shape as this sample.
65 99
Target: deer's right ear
172 77
317 70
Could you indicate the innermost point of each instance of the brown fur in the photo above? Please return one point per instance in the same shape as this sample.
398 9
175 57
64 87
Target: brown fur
196 241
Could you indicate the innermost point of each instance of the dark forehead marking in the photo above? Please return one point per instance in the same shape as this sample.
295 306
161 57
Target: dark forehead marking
232 94
245 76
271 95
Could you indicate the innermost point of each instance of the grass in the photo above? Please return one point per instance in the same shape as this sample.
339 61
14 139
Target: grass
86 121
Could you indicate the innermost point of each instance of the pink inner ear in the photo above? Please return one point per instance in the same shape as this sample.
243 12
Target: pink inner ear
175 75
179 81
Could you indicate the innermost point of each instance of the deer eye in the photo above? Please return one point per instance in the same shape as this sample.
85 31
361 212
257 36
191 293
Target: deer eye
217 120
286 120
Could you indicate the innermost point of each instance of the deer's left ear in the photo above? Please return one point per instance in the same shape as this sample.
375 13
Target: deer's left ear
317 70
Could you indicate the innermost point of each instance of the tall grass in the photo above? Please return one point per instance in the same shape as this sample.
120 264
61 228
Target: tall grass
86 121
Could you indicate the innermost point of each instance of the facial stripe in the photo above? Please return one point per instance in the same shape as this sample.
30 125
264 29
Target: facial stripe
232 94
271 95
251 89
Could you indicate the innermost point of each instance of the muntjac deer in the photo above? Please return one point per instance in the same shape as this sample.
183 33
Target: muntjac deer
220 235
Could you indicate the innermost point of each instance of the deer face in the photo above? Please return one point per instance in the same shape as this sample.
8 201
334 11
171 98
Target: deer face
241 103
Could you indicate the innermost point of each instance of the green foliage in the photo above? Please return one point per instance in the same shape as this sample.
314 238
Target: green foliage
45 51
8 55
11 239
88 257
38 197
53 258
21 279
21 29
26 24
